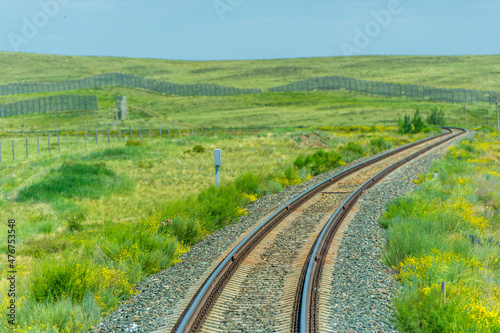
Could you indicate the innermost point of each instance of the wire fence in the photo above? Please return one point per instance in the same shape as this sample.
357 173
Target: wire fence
128 81
392 90
42 142
373 88
50 103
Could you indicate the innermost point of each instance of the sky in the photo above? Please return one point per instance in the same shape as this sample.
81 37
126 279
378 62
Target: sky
249 29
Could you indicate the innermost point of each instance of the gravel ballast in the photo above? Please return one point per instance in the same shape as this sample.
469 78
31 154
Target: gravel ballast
160 293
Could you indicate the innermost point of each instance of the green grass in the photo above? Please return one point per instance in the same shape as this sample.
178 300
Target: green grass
308 109
430 236
98 219
476 72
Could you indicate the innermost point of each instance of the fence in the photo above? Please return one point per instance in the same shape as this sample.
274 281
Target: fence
54 140
128 81
50 103
374 88
391 90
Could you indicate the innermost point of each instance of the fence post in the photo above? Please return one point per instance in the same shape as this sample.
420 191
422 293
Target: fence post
96 137
38 144
48 140
180 134
76 138
59 141
465 112
67 140
498 121
27 152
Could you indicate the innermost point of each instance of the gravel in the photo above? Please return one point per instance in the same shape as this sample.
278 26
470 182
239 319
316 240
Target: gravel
364 286
160 293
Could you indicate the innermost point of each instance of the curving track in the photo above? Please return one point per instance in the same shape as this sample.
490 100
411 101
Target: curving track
270 280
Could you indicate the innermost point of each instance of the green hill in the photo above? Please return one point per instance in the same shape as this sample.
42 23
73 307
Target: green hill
319 108
473 72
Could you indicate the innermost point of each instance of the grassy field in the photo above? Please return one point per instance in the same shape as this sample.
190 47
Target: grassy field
270 109
126 211
447 232
476 72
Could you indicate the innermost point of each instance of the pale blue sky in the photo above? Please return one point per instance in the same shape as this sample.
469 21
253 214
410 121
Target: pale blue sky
249 29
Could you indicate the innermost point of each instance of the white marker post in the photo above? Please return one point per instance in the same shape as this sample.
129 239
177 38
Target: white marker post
218 162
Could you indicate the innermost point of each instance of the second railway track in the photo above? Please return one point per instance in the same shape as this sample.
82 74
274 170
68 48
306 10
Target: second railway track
262 284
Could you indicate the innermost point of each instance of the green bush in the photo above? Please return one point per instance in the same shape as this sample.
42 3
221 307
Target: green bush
352 151
217 207
379 144
58 279
436 117
186 230
248 183
418 122
198 149
132 143
416 125
319 162
60 316
405 126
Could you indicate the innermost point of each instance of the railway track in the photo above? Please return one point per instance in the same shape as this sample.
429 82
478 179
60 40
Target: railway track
270 280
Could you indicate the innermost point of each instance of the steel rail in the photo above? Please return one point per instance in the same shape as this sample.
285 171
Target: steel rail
305 314
193 316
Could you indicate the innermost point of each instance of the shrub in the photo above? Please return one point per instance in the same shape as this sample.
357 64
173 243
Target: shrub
218 207
319 162
436 117
248 183
186 230
379 144
418 123
198 149
60 316
411 126
352 151
58 279
131 143
405 126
